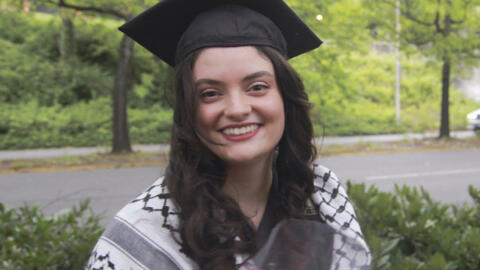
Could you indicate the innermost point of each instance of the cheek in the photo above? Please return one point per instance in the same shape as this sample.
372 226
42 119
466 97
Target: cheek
275 112
277 107
281 118
205 118
281 122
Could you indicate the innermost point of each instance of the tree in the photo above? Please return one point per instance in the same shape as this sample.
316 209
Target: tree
445 30
67 36
122 10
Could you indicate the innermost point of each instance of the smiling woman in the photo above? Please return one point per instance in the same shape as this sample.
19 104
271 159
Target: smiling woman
241 158
240 113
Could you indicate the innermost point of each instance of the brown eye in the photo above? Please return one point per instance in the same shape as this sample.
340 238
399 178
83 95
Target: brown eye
209 95
258 87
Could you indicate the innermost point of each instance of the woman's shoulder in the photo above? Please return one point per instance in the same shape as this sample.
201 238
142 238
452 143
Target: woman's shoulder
327 184
324 177
152 206
336 209
141 236
334 204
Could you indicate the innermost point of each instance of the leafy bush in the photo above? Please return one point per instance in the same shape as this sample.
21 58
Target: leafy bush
350 85
359 97
409 230
150 125
31 67
98 41
25 77
16 26
32 240
405 230
82 124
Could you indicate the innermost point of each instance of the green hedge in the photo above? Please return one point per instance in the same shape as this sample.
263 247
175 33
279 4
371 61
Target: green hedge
355 94
405 230
46 101
31 240
30 68
409 230
82 124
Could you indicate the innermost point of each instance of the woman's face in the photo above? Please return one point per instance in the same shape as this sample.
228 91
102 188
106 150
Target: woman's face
240 107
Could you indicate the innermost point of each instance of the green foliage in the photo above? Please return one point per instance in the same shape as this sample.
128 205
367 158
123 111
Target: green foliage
409 230
444 31
98 41
25 78
350 85
32 240
404 230
16 28
30 70
358 98
153 81
440 29
150 125
82 124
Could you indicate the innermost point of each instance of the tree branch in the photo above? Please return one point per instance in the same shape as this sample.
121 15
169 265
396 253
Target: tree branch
465 10
438 28
407 13
113 12
410 16
418 40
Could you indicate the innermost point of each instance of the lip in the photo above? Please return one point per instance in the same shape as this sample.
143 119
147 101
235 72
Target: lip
246 136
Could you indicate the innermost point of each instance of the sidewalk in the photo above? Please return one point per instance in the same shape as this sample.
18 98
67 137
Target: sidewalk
60 152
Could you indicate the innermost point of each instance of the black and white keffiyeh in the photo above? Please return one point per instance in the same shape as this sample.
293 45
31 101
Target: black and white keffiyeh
140 236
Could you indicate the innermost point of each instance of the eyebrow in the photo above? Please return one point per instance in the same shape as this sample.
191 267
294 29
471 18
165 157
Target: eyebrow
256 75
245 79
209 82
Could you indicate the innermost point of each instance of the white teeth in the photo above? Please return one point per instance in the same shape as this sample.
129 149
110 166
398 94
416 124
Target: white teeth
239 131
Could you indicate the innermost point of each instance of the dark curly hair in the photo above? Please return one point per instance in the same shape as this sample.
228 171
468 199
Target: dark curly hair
212 228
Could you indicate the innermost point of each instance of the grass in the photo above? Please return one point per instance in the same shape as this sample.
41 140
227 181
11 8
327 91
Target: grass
141 159
92 161
400 146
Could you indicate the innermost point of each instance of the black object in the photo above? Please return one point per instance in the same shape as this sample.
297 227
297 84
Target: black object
174 28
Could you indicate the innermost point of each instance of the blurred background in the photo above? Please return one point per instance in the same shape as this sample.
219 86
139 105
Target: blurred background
64 63
395 88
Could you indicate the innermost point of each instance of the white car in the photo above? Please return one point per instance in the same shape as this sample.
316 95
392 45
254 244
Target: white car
473 119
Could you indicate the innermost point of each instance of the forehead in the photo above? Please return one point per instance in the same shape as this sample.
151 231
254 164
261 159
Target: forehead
230 62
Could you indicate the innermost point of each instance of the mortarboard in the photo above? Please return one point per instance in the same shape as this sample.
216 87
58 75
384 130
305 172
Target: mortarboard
174 28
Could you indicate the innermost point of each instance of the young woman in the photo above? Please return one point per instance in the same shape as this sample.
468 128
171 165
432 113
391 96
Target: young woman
241 158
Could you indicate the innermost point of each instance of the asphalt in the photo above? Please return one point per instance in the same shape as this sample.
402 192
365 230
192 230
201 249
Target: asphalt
70 151
445 174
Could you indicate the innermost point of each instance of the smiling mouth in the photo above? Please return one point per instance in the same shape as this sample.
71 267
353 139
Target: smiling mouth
240 130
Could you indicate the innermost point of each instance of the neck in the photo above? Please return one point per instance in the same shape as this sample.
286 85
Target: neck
249 185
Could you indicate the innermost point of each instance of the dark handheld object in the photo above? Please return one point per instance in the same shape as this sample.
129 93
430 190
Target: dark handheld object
310 245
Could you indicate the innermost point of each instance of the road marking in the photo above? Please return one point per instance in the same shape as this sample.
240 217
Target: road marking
414 175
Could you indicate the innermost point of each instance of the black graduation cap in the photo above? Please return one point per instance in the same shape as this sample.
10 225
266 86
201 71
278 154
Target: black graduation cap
174 28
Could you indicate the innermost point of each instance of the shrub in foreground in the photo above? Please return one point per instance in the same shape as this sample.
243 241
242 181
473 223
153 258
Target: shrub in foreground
409 230
405 230
31 240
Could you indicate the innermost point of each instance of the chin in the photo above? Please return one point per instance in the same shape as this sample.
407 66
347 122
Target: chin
244 157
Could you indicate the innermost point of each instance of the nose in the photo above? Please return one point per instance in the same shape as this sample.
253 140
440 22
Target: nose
237 107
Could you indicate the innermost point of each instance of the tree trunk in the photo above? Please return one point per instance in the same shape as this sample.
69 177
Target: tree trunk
121 139
445 115
445 119
67 36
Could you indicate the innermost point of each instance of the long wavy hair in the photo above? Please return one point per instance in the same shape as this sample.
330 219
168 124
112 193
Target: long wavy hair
212 228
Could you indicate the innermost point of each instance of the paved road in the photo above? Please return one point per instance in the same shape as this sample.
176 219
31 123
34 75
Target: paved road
109 189
60 152
445 174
